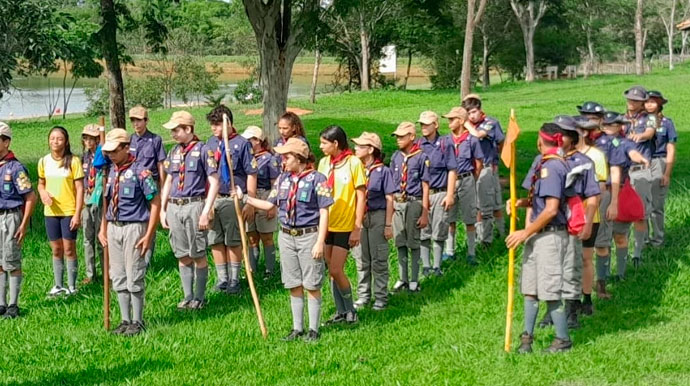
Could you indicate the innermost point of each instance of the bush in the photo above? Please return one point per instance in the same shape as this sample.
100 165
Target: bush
147 92
192 80
248 92
97 97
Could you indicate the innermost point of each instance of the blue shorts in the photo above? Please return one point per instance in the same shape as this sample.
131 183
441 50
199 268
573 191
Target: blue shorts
58 228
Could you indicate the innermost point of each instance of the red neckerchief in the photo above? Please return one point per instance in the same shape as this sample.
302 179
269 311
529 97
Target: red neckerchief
595 135
414 150
7 158
260 153
91 180
292 194
335 161
221 143
116 186
457 141
183 153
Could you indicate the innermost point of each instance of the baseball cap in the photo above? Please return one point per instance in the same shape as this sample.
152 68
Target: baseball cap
179 118
114 138
368 139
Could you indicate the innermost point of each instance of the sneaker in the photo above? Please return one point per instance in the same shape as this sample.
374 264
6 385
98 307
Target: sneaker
399 286
119 330
335 319
233 287
572 307
71 291
426 271
438 272
361 303
184 305
3 309
221 287
294 334
447 256
414 286
134 328
587 309
379 305
471 260
559 345
636 262
312 336
57 291
12 312
197 304
546 321
351 317
268 275
525 343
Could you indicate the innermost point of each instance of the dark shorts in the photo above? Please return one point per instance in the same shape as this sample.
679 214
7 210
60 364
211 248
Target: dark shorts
339 239
58 228
589 243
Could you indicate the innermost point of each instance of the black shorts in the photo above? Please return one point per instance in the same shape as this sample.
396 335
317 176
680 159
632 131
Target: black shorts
58 228
589 243
339 239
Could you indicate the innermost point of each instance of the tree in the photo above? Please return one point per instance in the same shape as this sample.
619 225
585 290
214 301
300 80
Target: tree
496 29
473 18
667 14
639 38
111 53
529 13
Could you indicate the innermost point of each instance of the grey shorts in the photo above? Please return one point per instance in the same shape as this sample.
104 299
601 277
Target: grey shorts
127 264
225 229
405 231
499 202
465 208
11 251
542 265
439 219
605 226
297 266
641 180
261 223
186 239
572 269
486 192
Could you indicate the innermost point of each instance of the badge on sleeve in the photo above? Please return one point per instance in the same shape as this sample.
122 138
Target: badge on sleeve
166 164
254 163
544 172
427 163
211 162
323 190
210 153
273 194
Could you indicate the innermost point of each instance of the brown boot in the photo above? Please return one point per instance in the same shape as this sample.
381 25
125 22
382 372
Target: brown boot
525 343
559 345
601 290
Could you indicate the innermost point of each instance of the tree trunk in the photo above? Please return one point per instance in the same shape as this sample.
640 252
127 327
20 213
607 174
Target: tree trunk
670 32
409 66
110 49
315 77
639 39
528 20
683 43
276 69
364 40
466 74
529 56
485 63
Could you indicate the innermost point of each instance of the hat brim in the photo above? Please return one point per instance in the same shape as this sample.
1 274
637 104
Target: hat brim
137 116
110 146
426 122
401 133
91 133
634 98
171 125
451 116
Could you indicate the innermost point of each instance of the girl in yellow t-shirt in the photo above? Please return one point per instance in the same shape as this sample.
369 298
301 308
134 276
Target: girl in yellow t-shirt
61 187
346 177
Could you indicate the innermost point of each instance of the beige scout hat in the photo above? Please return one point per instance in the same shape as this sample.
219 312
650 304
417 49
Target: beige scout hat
457 112
114 138
91 129
368 139
472 96
179 118
428 117
253 132
5 130
293 145
405 128
138 112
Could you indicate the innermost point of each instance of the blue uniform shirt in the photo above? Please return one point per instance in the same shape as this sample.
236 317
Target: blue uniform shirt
466 152
268 169
489 144
15 184
148 151
441 159
417 171
312 194
380 182
136 188
199 164
585 184
551 183
638 125
617 150
665 134
243 161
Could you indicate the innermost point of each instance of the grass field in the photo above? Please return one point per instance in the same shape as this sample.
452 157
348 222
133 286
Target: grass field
450 333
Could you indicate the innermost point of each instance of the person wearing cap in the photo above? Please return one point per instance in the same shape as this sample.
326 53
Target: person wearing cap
663 158
489 196
641 131
128 225
468 155
442 178
289 125
147 149
265 222
371 255
546 239
187 204
620 153
224 234
17 203
347 179
410 166
61 189
302 196
93 203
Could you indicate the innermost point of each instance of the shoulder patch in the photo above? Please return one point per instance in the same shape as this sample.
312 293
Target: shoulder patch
254 163
322 189
23 181
544 172
145 173
427 163
210 153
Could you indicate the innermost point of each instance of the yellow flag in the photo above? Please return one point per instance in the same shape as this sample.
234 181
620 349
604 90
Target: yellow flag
512 135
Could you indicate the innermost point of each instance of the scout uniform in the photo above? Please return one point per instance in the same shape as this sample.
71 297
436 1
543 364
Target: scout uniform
371 255
410 172
129 189
268 169
91 214
440 153
665 134
467 150
16 187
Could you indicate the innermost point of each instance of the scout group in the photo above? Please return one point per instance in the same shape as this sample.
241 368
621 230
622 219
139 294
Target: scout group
123 185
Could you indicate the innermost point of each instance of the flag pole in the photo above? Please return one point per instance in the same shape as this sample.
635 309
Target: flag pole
106 256
511 251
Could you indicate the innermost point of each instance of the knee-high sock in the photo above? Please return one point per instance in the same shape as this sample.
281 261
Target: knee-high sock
531 312
123 298
415 264
450 241
72 271
314 313
337 298
270 254
58 270
137 299
557 312
438 251
425 250
222 272
402 264
622 260
15 288
297 307
187 277
501 225
640 237
346 294
3 289
603 263
254 258
201 279
235 268
471 242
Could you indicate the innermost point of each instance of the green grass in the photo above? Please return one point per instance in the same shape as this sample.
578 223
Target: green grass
450 333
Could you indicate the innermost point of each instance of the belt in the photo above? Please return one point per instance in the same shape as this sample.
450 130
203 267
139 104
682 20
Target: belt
299 231
221 195
659 156
123 223
6 211
185 200
464 174
552 228
439 190
635 168
400 198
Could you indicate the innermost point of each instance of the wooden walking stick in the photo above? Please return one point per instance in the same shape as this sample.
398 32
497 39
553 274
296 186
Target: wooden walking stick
243 235
106 258
508 154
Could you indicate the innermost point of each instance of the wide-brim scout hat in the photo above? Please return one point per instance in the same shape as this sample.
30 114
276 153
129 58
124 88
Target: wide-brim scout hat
179 118
114 138
91 130
612 118
565 122
457 112
472 96
368 139
404 128
5 130
636 93
295 146
427 118
253 132
657 95
584 123
138 112
591 108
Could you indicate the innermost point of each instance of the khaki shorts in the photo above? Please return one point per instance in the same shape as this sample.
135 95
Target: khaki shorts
405 230
486 192
572 269
186 239
11 251
604 235
499 202
127 264
542 265
641 180
297 266
465 208
225 229
439 219
261 223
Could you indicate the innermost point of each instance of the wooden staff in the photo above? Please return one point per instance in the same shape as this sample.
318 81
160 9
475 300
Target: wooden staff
243 235
106 257
511 251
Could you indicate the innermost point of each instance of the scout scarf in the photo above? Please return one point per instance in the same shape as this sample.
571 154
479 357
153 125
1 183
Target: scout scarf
116 184
183 154
403 180
7 158
91 179
292 194
335 161
457 141
222 160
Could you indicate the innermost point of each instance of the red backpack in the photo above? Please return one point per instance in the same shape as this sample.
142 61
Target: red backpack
630 206
575 215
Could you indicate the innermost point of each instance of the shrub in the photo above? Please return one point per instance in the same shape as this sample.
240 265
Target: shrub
248 92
